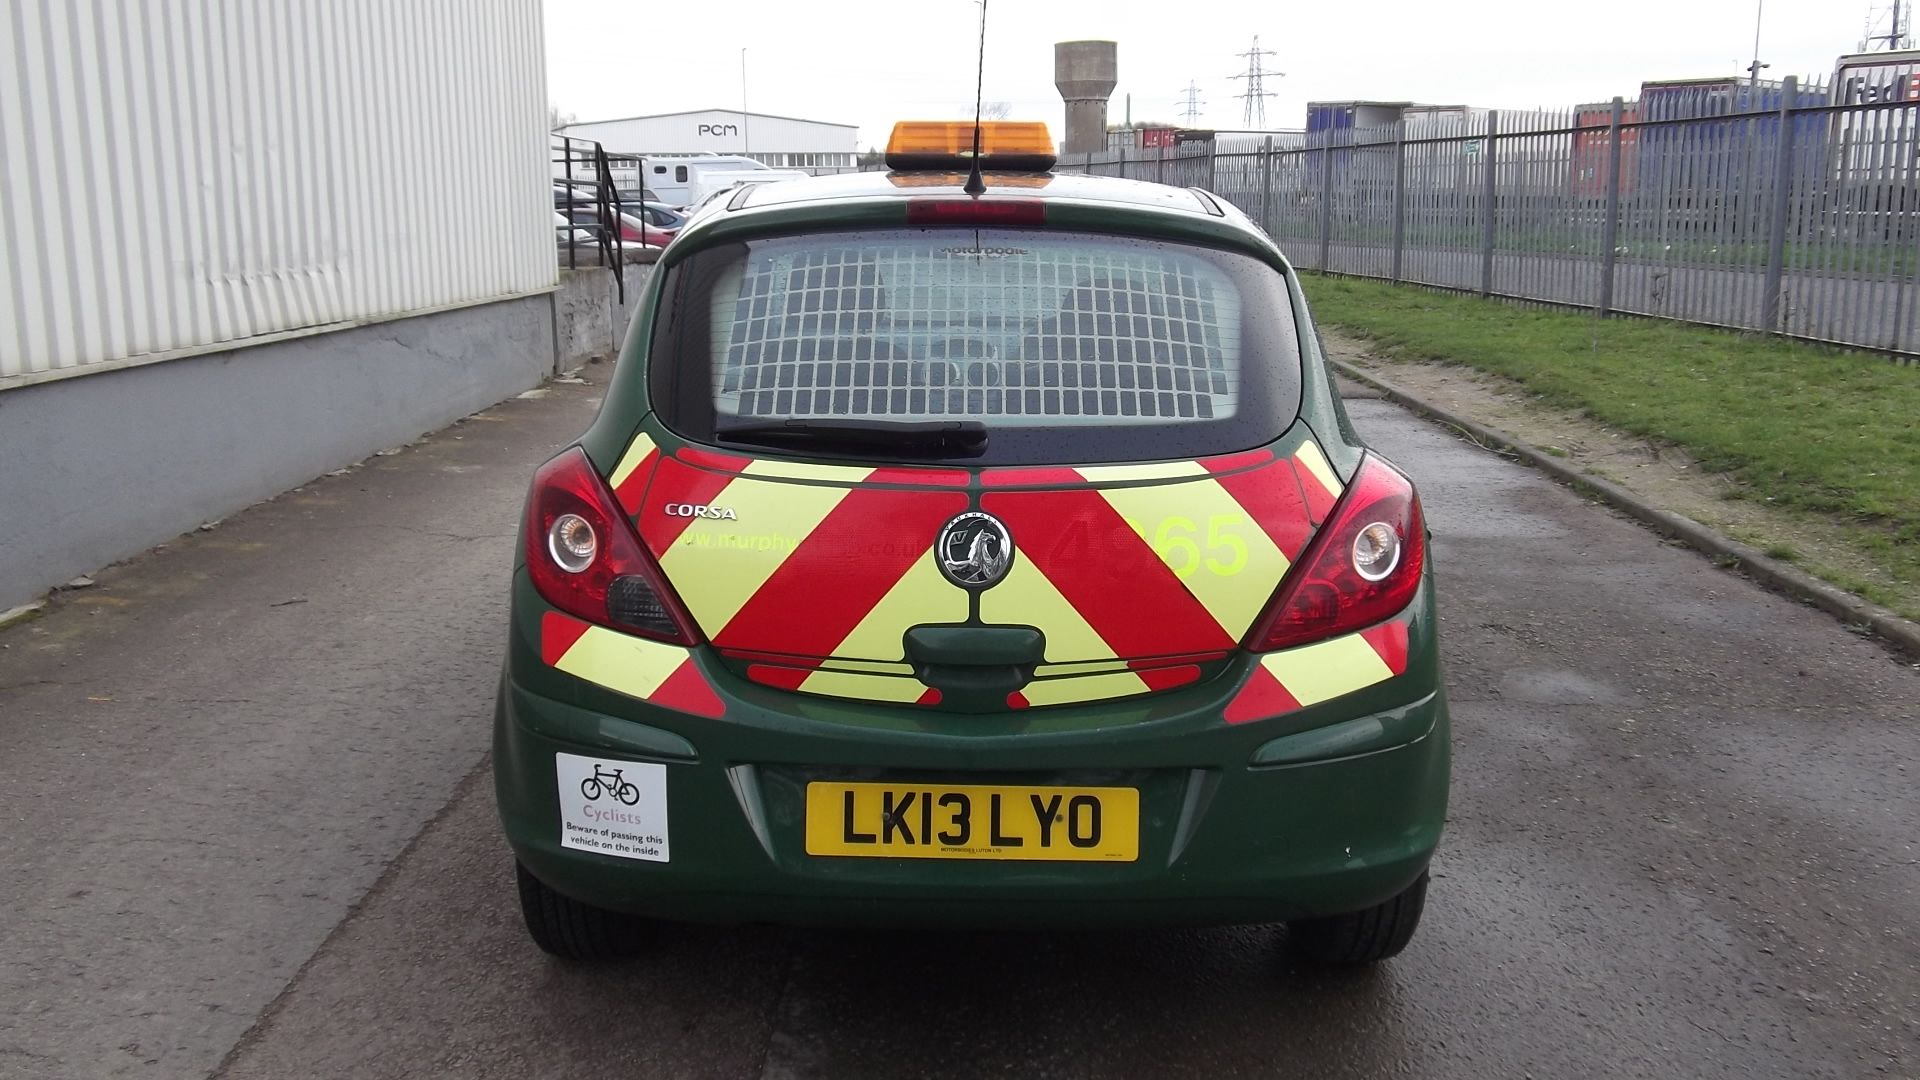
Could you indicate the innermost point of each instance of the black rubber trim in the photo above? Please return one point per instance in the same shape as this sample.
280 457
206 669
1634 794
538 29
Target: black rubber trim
1363 937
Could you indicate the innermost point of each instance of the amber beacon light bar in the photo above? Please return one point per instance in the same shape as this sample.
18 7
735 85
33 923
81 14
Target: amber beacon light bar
1005 145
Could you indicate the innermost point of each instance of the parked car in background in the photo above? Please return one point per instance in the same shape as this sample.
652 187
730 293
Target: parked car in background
632 229
576 193
587 193
667 219
565 232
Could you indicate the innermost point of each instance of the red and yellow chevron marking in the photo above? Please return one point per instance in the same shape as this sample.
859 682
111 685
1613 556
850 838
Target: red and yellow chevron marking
1106 570
1145 570
1127 563
629 478
1213 544
1318 481
1155 569
856 582
1310 674
903 690
809 565
1274 500
718 566
899 687
919 595
653 671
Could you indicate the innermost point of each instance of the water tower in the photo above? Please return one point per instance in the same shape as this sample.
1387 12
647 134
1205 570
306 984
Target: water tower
1086 72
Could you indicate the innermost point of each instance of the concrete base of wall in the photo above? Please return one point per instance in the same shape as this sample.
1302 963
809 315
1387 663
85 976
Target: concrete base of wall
582 317
591 310
101 467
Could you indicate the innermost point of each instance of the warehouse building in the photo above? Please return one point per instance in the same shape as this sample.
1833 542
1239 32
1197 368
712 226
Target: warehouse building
780 142
226 260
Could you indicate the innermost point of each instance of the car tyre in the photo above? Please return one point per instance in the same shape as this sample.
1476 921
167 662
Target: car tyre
1362 937
569 929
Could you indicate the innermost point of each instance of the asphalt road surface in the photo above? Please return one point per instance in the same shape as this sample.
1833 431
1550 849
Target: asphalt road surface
248 831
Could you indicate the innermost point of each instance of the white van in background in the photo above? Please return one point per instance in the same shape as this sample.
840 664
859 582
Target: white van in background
711 182
683 181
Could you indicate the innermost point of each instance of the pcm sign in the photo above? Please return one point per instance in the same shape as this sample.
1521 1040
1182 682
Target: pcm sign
720 131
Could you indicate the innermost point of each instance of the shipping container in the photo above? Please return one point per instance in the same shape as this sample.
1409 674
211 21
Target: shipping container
1700 162
1592 147
1874 78
1870 149
1349 115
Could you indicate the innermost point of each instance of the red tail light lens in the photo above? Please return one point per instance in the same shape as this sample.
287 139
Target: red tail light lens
586 560
1362 568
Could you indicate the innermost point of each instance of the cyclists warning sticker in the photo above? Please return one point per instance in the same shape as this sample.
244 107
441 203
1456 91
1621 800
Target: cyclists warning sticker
616 808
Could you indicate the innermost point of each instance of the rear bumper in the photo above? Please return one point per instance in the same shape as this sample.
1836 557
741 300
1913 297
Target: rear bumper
1348 814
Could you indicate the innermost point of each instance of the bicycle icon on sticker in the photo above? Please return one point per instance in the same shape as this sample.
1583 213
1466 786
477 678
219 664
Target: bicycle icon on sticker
609 783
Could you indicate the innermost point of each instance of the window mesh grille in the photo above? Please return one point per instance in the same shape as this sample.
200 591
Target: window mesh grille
1030 331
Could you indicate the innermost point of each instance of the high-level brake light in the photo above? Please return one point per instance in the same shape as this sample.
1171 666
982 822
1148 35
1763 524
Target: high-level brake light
971 211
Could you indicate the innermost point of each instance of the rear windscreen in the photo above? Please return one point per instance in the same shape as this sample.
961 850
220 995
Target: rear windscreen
1069 346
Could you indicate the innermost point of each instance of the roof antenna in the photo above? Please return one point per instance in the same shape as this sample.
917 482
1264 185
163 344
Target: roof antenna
976 185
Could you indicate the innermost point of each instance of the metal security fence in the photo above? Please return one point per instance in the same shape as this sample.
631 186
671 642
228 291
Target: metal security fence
1801 219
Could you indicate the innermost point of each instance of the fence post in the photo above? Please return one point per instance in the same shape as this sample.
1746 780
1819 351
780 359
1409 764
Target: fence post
1399 193
1610 228
566 155
1266 188
1487 196
1770 314
1213 176
1326 200
1159 164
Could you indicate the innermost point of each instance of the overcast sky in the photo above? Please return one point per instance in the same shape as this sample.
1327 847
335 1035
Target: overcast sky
871 62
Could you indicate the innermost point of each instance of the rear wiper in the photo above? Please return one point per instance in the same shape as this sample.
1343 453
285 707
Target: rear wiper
934 438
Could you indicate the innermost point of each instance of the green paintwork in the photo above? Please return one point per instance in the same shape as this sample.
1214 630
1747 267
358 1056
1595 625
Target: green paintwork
1350 738
1327 809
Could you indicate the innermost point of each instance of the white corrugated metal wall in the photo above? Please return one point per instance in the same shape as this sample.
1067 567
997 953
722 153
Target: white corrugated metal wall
181 173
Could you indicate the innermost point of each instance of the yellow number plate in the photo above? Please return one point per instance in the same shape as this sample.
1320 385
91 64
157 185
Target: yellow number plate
954 821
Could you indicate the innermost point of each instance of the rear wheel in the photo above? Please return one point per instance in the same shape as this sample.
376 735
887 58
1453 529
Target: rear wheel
570 929
1362 937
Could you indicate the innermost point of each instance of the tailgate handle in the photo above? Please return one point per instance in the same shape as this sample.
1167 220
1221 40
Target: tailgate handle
975 667
975 646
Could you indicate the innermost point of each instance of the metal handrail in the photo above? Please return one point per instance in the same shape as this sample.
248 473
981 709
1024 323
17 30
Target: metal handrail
596 177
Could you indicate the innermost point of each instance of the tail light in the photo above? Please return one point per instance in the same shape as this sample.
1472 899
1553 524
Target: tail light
586 560
1362 568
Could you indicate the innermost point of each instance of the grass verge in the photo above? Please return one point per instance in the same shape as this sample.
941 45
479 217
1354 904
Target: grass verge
1816 432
